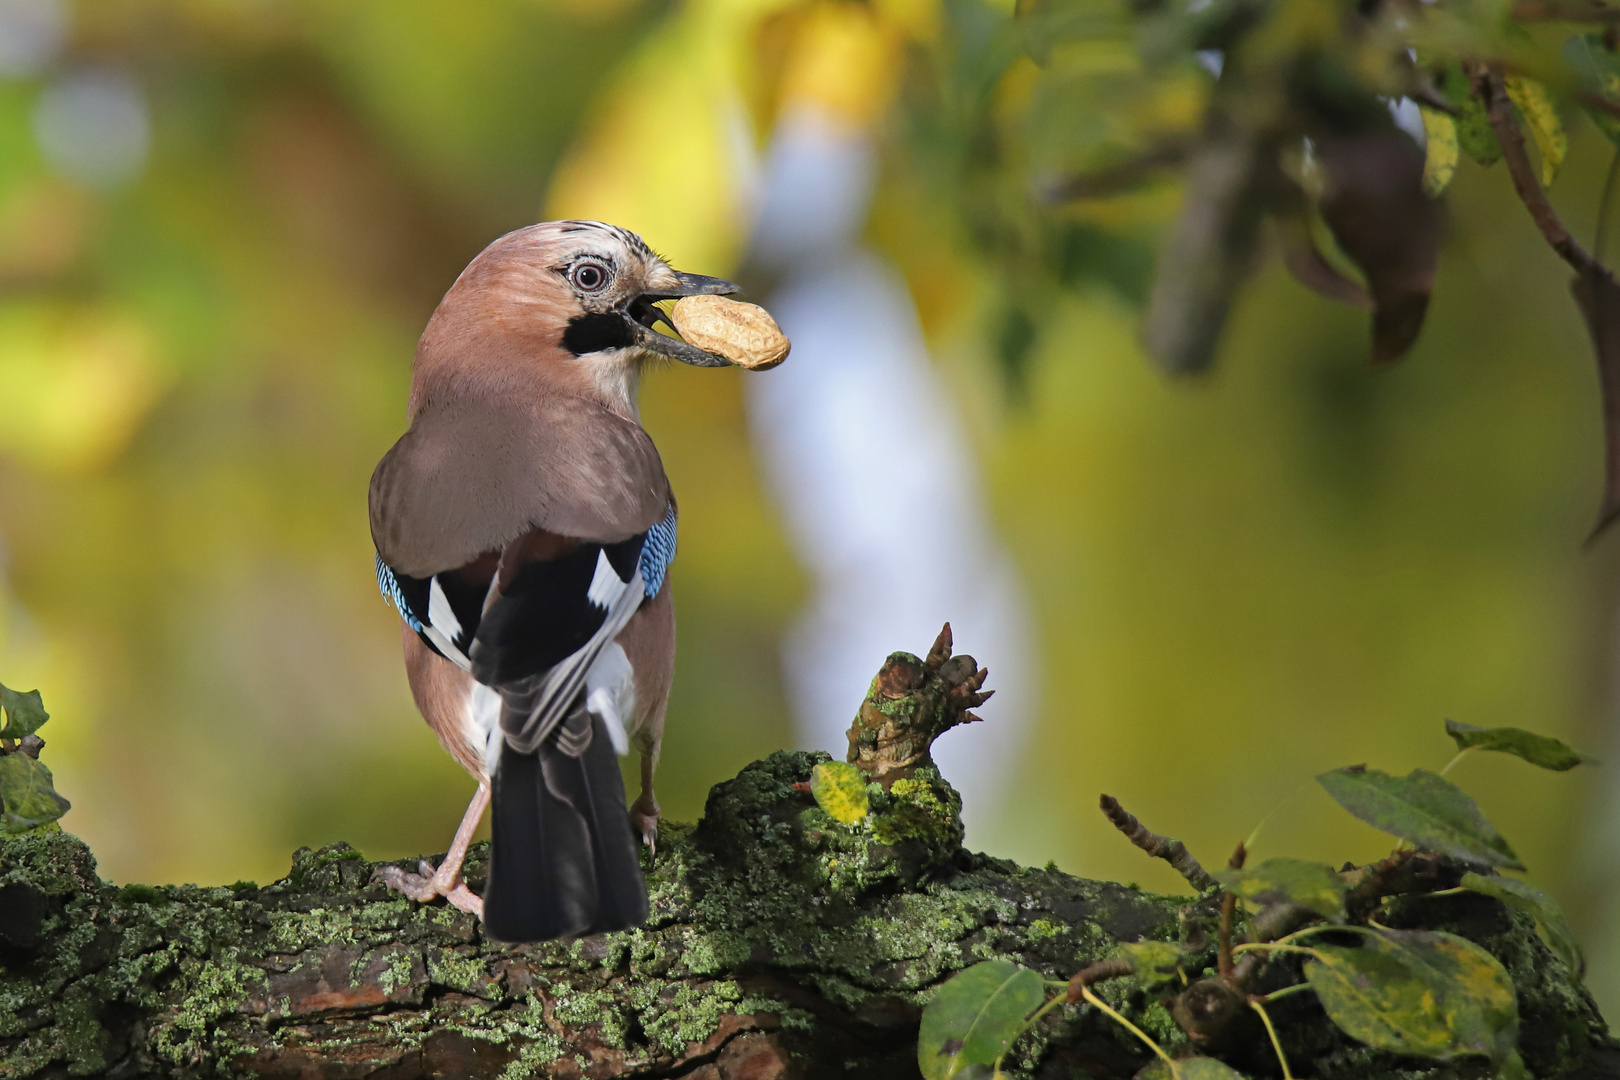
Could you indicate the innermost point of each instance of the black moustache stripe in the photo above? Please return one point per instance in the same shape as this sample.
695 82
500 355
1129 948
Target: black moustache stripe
595 332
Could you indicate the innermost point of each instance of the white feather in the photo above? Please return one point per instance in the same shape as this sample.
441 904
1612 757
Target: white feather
447 647
483 718
440 613
605 584
442 627
610 693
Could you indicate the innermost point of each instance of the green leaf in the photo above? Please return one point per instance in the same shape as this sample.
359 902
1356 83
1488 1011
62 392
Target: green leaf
1193 1068
1440 155
1554 925
24 712
1419 992
1423 808
1539 115
1597 71
975 1017
1152 962
1310 885
28 798
1475 135
840 789
1543 750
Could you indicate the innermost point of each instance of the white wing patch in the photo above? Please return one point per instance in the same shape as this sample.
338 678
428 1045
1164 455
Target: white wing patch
610 693
440 614
605 584
483 717
443 627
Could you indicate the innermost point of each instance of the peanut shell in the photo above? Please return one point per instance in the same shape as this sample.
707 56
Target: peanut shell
743 333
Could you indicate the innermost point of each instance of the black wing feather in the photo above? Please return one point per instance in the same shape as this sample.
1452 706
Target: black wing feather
545 614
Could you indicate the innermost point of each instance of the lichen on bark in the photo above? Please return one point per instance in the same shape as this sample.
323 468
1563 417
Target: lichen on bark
781 943
775 930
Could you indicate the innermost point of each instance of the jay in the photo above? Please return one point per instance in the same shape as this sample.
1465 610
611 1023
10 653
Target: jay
524 529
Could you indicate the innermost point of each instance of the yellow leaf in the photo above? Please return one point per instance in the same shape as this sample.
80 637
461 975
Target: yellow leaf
840 789
1440 160
1537 108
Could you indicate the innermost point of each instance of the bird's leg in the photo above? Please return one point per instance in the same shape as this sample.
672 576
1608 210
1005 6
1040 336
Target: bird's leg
644 811
445 881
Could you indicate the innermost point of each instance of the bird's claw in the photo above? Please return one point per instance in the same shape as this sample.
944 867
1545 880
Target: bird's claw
429 883
644 817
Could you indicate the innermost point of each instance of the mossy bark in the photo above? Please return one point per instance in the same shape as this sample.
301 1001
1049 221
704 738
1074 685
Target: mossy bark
781 943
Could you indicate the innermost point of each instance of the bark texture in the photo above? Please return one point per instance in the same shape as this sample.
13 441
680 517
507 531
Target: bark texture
782 943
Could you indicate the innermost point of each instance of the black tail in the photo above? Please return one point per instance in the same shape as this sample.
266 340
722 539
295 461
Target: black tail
564 860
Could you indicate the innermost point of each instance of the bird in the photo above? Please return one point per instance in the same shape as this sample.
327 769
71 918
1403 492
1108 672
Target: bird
524 529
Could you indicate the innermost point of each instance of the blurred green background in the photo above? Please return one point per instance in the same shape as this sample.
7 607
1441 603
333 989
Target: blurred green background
1295 563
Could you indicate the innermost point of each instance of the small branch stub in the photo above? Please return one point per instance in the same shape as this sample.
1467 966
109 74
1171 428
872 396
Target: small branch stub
1167 848
911 703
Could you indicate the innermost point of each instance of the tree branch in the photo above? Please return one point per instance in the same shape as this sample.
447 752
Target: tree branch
1594 11
782 944
1492 92
1167 848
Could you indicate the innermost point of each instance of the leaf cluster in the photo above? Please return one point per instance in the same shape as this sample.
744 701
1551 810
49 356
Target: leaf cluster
28 798
1064 131
1419 992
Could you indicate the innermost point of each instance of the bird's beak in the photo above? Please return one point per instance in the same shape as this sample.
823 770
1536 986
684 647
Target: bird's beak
668 286
698 285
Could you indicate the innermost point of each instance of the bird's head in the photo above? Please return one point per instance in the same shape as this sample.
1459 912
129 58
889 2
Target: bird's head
571 300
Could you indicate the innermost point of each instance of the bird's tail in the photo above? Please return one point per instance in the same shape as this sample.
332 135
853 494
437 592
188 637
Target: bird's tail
564 860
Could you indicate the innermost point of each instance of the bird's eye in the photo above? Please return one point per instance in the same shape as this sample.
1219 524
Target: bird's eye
588 276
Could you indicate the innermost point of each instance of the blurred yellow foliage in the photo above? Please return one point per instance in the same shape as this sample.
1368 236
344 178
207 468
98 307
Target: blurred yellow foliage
846 61
1292 565
667 149
77 383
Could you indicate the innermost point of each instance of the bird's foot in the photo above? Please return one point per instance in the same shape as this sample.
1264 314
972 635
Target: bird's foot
427 884
466 900
644 816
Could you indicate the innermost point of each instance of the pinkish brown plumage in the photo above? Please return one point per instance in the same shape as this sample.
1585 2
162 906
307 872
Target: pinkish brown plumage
524 526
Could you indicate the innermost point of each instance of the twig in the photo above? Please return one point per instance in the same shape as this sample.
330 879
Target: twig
1112 968
1223 956
1490 89
1426 94
1114 179
1405 871
1170 850
1598 102
1602 230
1276 920
1376 881
1556 11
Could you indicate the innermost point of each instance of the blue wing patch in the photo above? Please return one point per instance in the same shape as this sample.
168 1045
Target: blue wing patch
547 613
657 552
389 585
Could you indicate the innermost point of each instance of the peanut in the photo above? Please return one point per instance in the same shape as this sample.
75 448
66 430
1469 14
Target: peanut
743 333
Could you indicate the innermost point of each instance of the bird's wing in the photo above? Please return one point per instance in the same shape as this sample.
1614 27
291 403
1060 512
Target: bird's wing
532 623
471 478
